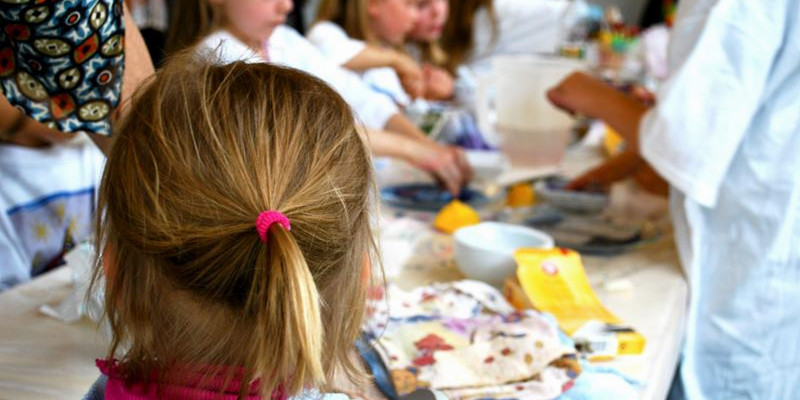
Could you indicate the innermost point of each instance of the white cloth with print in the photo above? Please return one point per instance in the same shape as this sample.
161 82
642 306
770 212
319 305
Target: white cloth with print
47 203
288 48
334 43
726 135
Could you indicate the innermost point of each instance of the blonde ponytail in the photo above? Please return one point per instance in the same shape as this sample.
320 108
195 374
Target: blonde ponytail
288 309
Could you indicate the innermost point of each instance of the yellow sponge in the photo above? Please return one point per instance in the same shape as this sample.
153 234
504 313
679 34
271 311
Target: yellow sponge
454 216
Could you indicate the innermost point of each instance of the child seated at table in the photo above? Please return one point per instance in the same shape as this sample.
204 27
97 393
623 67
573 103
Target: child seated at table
365 36
253 31
423 45
235 228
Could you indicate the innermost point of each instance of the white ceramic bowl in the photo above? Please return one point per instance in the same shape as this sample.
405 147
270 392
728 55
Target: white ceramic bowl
485 251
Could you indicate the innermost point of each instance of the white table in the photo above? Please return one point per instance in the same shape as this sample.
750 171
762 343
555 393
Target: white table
42 358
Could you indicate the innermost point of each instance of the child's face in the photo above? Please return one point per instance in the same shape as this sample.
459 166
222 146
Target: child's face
392 20
431 17
254 19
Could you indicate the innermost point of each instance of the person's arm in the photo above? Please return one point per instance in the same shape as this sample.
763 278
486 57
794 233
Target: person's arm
582 94
615 169
439 84
407 70
138 67
358 56
375 57
400 124
448 165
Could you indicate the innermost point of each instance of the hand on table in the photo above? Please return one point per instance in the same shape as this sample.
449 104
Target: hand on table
624 165
615 169
447 164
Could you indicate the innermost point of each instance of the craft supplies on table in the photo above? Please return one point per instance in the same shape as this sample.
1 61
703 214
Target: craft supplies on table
554 281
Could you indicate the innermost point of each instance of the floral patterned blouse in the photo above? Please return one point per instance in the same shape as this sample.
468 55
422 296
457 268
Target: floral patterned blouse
61 62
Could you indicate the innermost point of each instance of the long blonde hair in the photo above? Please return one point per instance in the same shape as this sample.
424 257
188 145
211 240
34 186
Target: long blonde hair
350 15
458 36
204 150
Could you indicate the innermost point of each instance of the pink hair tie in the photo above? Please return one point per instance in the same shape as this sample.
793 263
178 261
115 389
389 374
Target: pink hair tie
267 218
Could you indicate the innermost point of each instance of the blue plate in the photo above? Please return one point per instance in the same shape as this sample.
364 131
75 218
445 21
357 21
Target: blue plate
428 197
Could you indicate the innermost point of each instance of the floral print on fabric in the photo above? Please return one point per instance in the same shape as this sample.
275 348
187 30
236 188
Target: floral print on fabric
61 61
465 339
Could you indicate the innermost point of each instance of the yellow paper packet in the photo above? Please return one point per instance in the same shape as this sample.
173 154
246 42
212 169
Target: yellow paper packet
554 281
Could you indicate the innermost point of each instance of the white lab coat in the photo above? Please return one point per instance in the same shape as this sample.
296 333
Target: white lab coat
726 135
288 48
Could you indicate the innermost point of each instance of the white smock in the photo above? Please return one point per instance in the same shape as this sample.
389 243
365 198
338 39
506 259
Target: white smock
726 135
288 48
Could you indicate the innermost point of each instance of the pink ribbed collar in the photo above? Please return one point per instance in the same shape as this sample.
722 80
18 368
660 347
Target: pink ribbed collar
194 387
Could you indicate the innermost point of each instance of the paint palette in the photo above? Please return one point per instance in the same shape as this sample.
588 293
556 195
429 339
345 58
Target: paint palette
429 197
595 235
552 190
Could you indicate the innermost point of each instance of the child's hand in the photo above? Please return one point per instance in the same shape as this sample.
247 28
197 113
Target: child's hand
580 94
439 84
447 164
617 168
410 75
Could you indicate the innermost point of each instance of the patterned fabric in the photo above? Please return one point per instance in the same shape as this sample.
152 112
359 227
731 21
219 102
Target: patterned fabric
61 62
464 339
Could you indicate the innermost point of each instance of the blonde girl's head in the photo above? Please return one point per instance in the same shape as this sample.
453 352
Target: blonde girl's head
431 18
374 21
428 28
252 21
203 151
